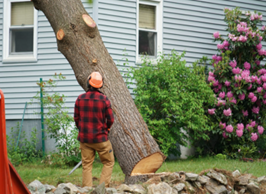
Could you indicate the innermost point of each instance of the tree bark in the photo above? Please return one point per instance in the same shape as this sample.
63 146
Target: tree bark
79 40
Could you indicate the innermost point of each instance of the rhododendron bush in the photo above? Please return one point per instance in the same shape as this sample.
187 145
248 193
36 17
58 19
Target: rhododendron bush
238 79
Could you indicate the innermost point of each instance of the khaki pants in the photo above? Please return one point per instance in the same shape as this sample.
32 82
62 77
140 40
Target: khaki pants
106 155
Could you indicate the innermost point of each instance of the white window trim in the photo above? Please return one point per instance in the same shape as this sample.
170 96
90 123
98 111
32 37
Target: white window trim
159 27
7 58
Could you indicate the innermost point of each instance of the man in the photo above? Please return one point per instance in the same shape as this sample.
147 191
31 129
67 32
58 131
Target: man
94 117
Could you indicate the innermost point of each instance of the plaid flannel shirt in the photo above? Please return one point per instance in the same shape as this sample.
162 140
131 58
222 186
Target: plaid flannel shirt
93 117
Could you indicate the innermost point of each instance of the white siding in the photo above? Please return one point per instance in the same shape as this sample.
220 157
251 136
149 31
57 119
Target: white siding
18 80
189 25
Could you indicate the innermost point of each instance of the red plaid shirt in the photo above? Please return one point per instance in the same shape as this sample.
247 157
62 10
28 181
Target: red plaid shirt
93 117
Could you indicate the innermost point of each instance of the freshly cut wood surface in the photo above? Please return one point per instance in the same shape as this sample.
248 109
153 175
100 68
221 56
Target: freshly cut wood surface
148 165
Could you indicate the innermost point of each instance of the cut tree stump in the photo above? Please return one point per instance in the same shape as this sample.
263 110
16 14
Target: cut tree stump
81 44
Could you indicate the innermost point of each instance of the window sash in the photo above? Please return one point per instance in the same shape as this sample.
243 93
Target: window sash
147 16
22 13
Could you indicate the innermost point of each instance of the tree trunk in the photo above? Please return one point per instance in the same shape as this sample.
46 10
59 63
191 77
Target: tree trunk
80 42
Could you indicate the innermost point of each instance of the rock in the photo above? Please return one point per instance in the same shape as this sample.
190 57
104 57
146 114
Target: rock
111 190
191 176
190 188
48 188
161 188
154 180
217 176
236 173
262 179
214 187
203 180
36 187
242 191
137 189
197 184
243 180
179 186
69 186
100 189
85 189
253 188
62 190
124 188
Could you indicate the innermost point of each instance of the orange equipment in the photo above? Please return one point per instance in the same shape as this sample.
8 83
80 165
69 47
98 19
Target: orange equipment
95 80
10 181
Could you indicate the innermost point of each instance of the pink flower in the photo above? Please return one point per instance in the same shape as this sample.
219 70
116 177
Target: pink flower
247 65
211 78
250 86
263 28
263 78
215 83
245 113
259 89
241 96
259 46
264 86
242 38
254 78
236 70
233 100
222 125
227 112
252 18
240 126
224 135
254 136
239 133
238 78
220 102
256 110
249 127
233 64
260 129
261 52
229 94
214 57
216 35
257 62
226 43
254 99
251 95
227 83
211 111
253 123
220 46
219 58
229 128
211 74
264 101
222 95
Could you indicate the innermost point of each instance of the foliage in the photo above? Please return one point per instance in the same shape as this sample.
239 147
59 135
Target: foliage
170 97
59 125
239 80
26 150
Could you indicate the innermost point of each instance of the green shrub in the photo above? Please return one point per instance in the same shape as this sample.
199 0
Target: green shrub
59 124
26 151
170 96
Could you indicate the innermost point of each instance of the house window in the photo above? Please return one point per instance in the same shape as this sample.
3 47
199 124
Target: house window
149 29
20 31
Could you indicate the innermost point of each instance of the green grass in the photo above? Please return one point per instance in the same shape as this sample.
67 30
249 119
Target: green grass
51 175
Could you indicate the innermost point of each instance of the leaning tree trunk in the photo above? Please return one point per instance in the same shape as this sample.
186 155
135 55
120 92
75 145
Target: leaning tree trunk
80 42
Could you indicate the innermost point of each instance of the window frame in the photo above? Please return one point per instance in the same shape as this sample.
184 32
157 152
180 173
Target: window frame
20 57
158 24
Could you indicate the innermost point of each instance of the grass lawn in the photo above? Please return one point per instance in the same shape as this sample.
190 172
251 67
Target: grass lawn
51 175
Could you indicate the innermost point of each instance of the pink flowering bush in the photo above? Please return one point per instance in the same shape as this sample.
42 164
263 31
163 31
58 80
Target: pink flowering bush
238 79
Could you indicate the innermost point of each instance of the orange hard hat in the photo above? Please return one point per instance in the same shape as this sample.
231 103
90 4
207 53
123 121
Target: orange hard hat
95 80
